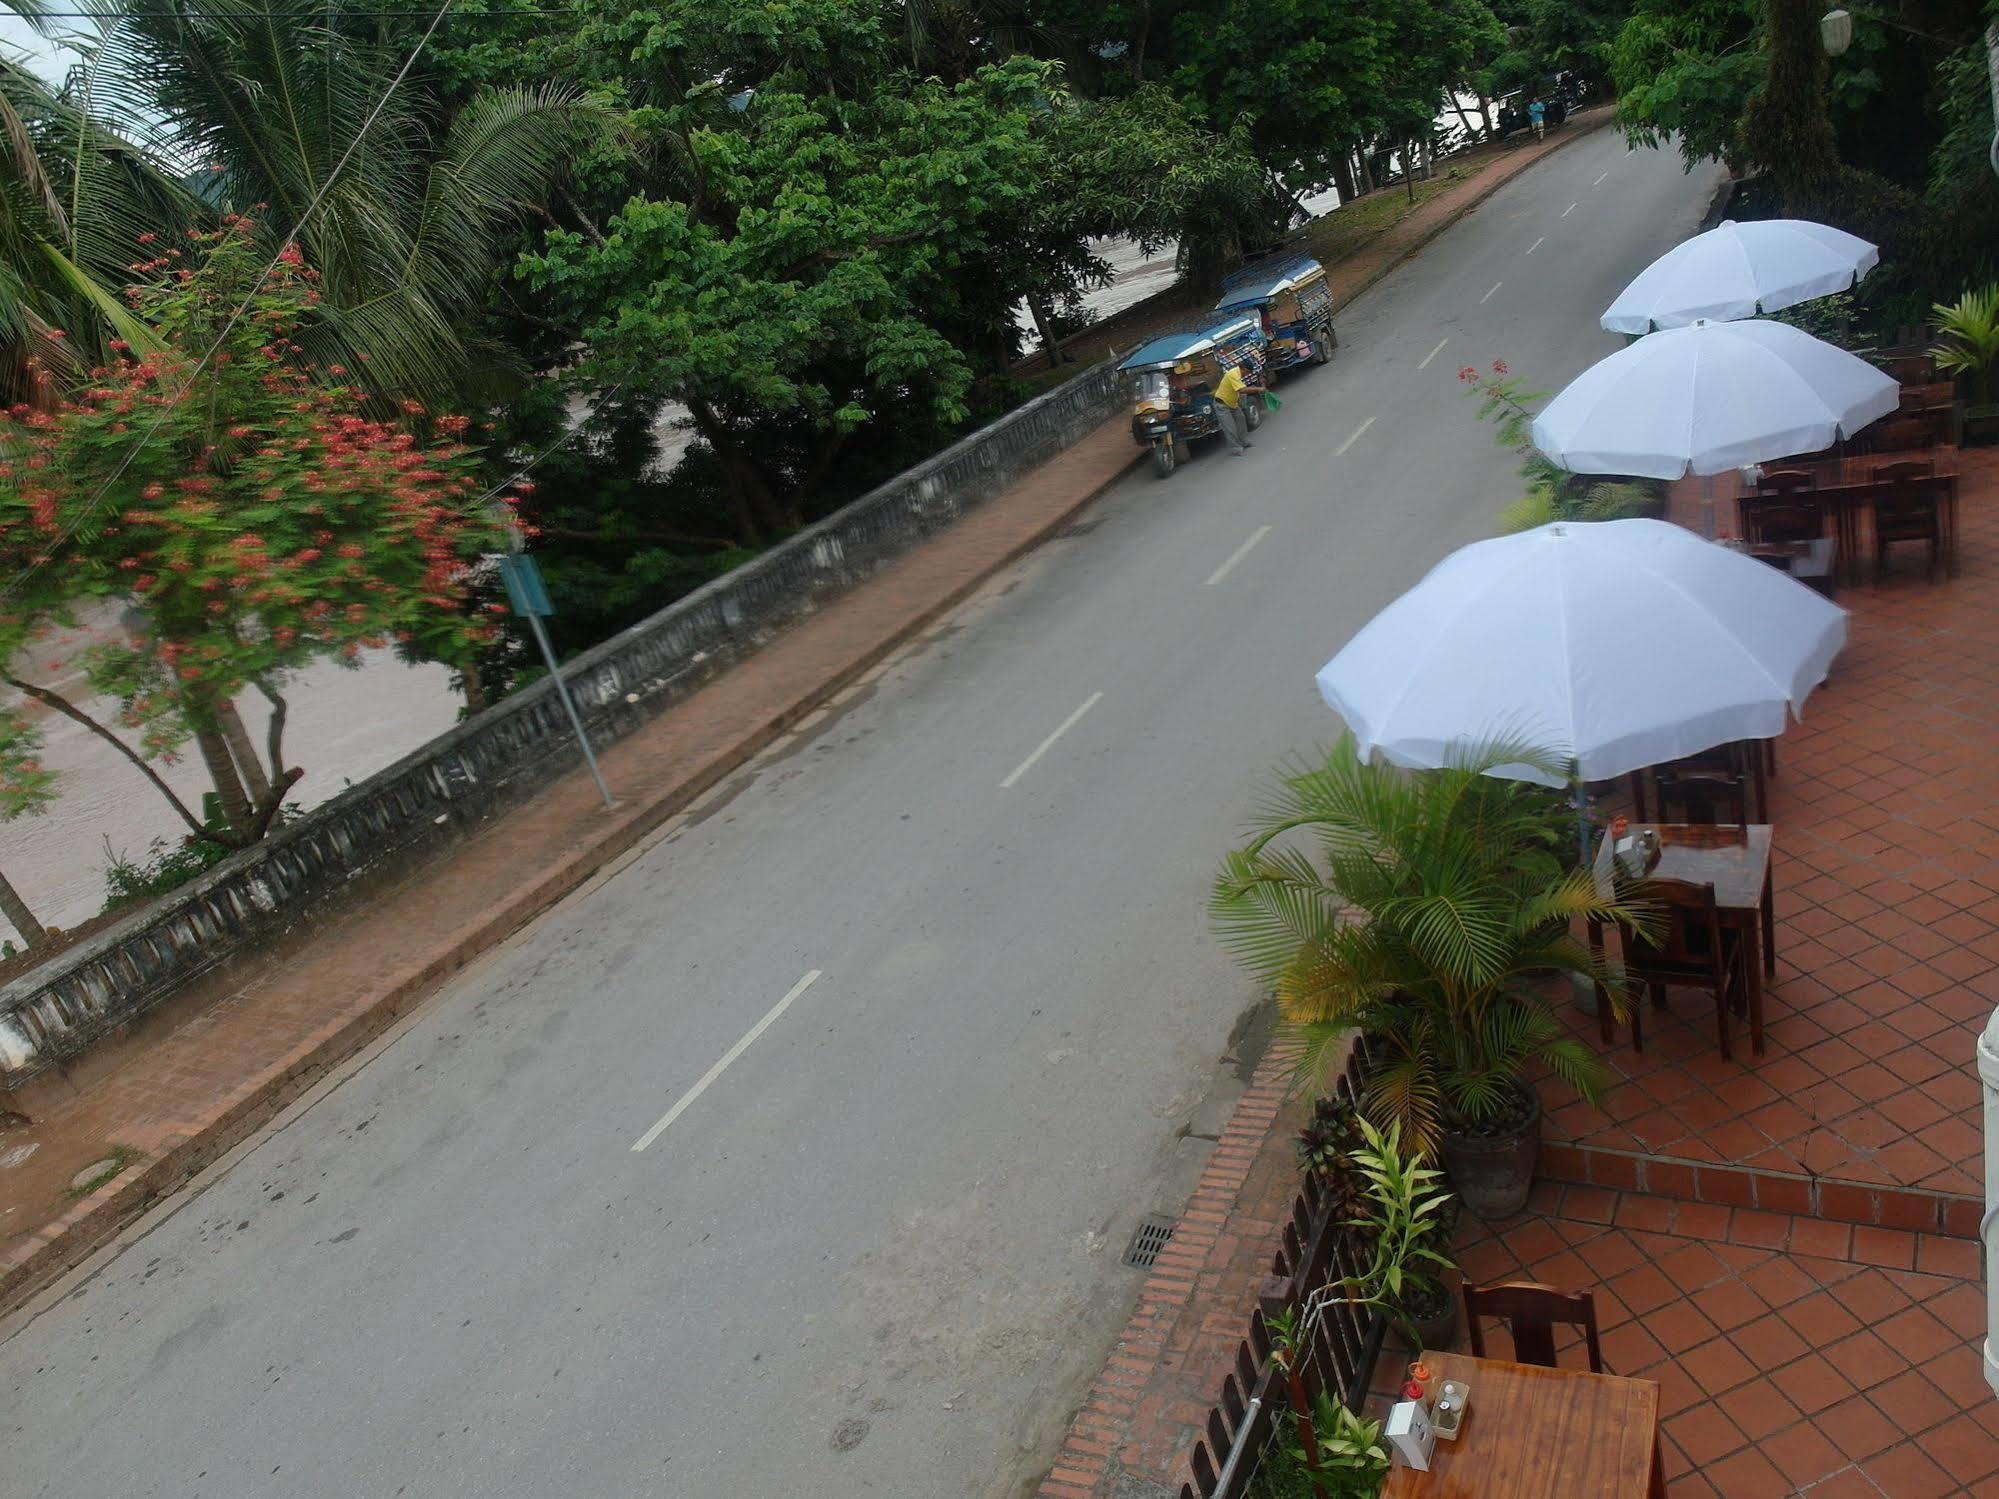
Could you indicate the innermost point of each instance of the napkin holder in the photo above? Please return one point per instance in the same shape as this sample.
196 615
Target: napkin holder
1410 1433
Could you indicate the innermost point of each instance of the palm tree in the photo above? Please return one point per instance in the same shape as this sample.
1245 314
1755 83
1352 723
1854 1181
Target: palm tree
75 194
263 100
1431 913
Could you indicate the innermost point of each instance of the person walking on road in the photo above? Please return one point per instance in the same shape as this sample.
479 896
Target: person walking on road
1537 115
1229 413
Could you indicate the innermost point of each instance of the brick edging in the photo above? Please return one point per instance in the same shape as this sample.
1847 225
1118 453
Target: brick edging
1871 1203
1098 1428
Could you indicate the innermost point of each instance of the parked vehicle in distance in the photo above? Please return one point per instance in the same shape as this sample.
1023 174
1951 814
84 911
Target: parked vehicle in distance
1293 299
1172 379
1561 94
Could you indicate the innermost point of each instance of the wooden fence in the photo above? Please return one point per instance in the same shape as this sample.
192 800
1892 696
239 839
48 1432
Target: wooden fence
1335 1352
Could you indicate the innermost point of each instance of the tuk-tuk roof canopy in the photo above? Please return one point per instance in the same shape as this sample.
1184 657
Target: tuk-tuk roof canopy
1259 283
1181 343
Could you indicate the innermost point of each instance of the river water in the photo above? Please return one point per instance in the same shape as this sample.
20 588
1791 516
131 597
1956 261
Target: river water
344 725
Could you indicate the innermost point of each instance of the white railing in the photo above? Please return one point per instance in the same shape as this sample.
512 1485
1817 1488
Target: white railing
1988 1074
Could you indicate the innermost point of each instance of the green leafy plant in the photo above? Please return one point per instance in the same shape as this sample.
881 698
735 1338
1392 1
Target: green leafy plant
1352 1462
1969 333
1436 906
1402 1218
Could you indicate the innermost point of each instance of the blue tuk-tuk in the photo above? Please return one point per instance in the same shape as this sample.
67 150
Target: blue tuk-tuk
1172 379
1294 300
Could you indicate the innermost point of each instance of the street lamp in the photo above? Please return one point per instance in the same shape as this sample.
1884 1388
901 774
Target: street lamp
1836 32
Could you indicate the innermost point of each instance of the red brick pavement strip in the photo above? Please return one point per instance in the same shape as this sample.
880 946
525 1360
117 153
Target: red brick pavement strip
1149 1404
184 1099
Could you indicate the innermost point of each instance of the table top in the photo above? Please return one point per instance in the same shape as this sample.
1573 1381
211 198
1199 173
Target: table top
1530 1433
1736 861
1807 559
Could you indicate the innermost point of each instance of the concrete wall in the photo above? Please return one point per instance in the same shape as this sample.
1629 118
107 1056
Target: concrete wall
446 790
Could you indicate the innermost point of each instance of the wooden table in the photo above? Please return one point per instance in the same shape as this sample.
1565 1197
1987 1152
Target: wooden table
1532 1433
1736 861
1846 486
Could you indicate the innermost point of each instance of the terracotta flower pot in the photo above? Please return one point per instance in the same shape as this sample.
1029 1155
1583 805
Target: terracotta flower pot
1492 1170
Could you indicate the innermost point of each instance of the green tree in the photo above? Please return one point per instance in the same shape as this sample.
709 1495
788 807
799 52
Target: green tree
74 195
822 239
409 189
246 516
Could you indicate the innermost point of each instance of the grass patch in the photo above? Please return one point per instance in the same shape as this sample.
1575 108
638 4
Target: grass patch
116 1159
1353 226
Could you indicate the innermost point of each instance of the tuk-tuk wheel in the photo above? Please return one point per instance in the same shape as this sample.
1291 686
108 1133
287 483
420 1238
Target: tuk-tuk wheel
1322 348
1252 413
1163 459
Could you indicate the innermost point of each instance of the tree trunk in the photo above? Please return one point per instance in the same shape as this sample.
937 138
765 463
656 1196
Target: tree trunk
1409 169
1044 319
1366 167
473 684
19 916
1471 130
1343 182
244 753
236 810
1786 127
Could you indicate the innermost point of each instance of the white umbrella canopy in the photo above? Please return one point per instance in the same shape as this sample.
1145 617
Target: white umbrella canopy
1738 270
1711 397
1620 643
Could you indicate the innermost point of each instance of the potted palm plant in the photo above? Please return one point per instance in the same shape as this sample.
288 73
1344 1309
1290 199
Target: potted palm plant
1428 917
1969 330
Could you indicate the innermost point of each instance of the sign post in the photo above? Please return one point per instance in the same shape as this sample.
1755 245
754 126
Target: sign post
529 599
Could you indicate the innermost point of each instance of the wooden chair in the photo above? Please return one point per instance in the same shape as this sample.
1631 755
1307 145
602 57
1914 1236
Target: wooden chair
1693 951
1905 432
1750 759
1781 518
1911 510
1531 1311
1707 797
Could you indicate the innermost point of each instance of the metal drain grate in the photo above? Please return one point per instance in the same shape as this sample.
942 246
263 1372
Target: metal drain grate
1151 1236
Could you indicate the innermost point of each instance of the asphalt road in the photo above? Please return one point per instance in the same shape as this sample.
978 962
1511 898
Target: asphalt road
878 1254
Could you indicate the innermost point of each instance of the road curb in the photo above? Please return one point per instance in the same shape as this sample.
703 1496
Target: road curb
96 1218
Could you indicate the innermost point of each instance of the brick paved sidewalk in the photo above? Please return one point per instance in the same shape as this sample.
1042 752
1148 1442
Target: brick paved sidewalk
1886 808
174 1102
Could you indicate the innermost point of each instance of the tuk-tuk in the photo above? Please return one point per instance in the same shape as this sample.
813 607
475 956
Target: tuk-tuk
1172 379
1295 303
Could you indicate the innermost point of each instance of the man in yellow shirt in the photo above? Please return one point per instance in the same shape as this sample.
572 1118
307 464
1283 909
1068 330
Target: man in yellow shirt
1229 413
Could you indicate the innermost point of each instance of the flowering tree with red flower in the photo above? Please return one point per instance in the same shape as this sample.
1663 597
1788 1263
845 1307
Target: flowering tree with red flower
243 512
1553 493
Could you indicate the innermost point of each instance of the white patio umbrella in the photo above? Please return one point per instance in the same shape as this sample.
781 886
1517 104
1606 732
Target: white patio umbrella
1711 397
1622 643
1738 270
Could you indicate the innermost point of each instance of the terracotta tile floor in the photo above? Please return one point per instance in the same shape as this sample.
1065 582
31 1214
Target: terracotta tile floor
1886 809
1793 1356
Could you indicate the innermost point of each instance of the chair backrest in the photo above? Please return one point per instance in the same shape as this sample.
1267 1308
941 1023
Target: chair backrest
1907 469
1704 796
1909 431
1530 1311
1782 519
1690 931
1785 481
